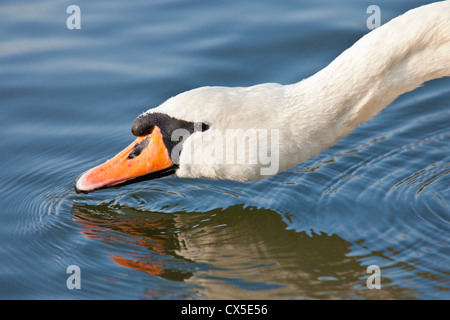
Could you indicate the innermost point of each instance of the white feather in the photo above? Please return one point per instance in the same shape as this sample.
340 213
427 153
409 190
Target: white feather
313 114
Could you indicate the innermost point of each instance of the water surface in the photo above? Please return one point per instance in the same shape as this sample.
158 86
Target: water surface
378 197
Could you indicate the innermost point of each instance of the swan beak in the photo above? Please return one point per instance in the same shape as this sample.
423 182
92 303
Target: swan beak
146 155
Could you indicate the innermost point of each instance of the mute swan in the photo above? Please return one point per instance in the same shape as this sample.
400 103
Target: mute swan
196 134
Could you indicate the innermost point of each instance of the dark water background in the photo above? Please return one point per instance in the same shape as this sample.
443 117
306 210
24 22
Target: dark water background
68 98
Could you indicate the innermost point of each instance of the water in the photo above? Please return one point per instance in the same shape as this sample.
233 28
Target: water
68 97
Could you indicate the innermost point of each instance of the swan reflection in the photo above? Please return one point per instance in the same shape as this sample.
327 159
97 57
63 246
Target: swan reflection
235 253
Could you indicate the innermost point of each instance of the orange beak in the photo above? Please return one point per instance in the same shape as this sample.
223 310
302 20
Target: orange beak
145 156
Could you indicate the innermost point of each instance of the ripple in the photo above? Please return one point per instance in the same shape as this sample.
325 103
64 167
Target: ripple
380 196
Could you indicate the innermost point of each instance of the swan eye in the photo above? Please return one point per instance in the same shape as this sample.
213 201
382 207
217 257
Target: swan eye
204 126
145 123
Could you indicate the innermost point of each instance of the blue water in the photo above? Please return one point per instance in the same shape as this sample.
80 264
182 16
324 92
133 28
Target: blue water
68 97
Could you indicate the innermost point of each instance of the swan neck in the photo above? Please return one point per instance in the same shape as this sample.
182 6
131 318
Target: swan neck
387 62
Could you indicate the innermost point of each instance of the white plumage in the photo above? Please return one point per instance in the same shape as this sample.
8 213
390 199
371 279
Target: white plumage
314 113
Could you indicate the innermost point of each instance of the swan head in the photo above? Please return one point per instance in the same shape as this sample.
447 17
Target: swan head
250 133
203 133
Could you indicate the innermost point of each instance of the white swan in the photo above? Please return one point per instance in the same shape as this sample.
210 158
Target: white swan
305 117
